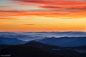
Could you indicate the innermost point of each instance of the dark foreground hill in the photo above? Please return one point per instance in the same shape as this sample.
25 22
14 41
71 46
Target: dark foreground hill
25 51
4 46
70 51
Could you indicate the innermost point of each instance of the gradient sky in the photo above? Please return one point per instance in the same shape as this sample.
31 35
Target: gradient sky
42 15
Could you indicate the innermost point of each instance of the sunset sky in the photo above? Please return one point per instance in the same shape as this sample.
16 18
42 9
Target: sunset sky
42 15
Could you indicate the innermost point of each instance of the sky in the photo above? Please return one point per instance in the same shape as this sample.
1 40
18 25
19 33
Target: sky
42 15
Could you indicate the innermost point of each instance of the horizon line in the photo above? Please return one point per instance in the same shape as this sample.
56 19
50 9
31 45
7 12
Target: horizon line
57 31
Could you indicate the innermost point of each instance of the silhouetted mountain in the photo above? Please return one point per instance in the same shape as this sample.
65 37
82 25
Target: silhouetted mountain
11 41
4 46
26 51
41 45
62 51
65 41
70 51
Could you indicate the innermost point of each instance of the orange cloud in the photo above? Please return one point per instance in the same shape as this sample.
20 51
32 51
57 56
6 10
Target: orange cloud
28 24
40 0
51 9
8 19
54 2
51 13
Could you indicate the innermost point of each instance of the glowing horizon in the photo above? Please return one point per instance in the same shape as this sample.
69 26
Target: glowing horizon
42 15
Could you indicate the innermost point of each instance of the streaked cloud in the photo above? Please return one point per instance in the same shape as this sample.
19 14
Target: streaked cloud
28 24
43 15
44 8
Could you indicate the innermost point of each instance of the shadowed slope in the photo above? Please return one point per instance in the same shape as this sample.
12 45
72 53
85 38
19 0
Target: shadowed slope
26 51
